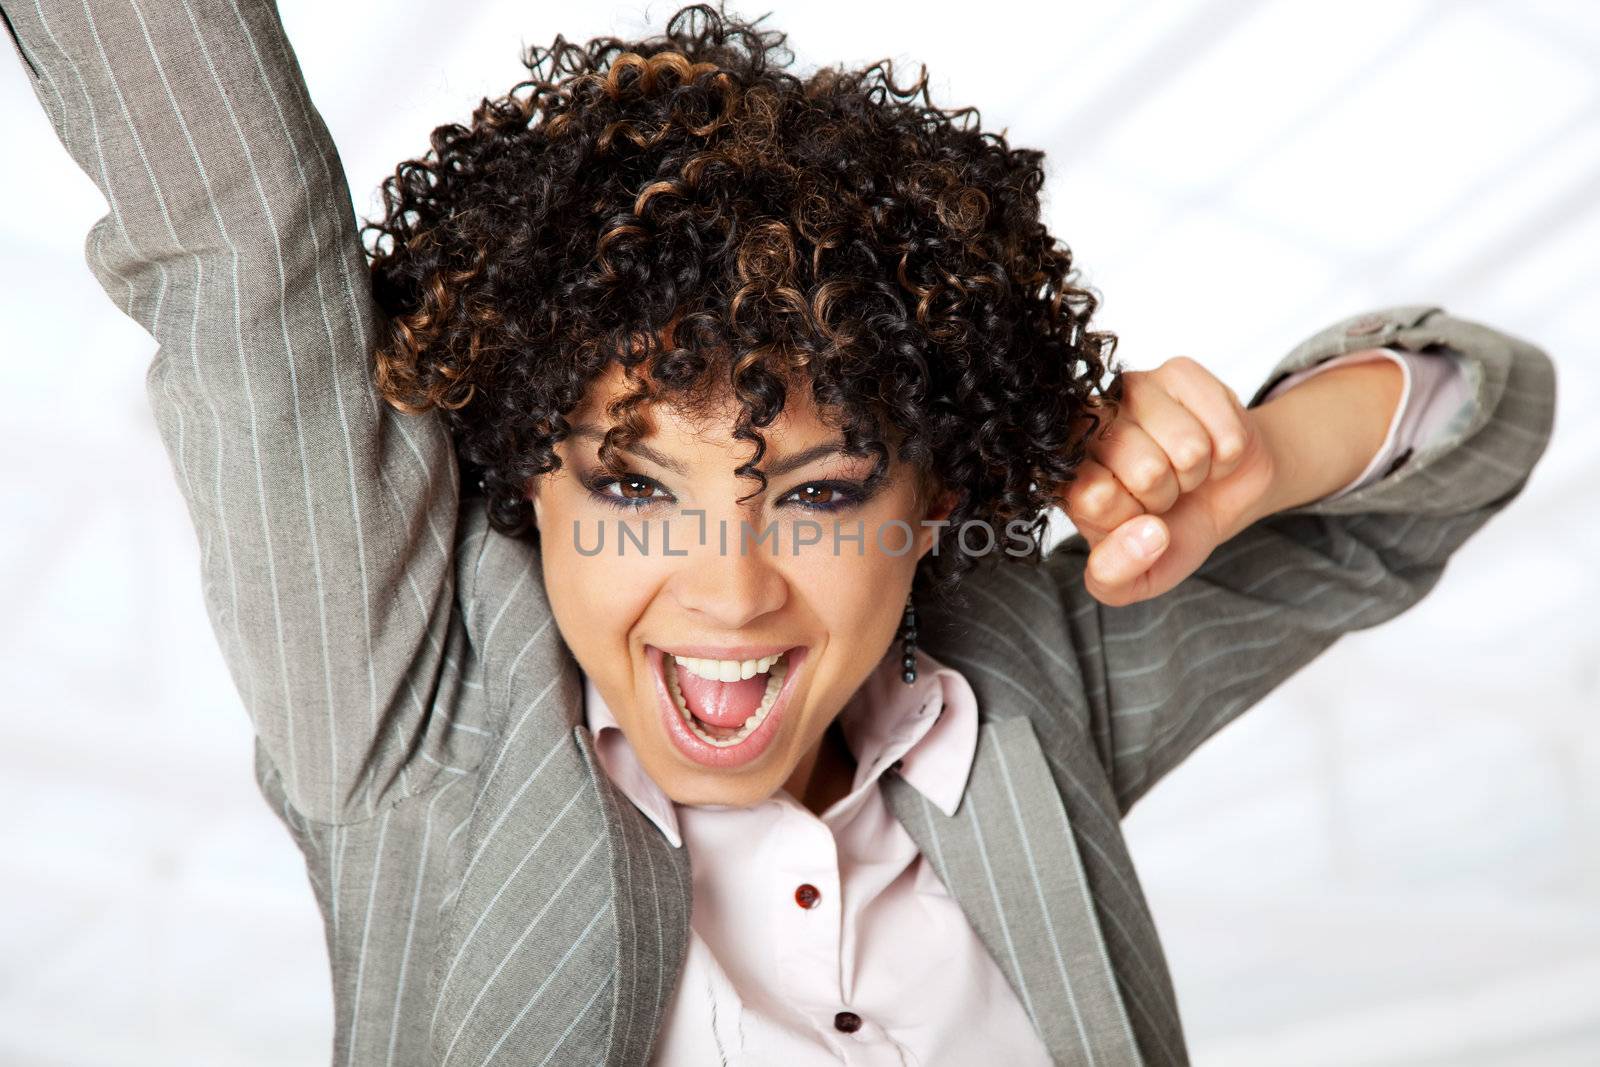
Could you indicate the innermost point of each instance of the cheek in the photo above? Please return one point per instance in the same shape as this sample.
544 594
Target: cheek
859 569
859 590
596 597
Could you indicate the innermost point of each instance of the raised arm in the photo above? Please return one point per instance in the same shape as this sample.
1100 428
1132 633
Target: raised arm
325 519
1162 675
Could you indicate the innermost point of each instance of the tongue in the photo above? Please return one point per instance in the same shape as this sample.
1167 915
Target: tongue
722 703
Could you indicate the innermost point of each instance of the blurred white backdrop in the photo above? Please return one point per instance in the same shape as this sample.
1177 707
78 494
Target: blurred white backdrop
1395 859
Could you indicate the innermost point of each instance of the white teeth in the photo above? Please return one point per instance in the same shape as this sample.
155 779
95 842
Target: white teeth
774 683
726 670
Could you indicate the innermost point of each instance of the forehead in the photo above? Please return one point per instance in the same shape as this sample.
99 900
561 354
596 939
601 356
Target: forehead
799 433
710 418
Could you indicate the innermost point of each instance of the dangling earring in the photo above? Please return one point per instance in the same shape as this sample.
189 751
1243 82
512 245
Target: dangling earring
908 644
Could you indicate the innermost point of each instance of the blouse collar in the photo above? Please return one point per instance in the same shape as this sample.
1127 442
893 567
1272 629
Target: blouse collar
929 729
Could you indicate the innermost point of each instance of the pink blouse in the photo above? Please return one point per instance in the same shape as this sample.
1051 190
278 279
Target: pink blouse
831 940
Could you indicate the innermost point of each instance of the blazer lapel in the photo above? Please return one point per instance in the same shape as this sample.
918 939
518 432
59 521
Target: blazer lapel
653 892
568 934
1008 857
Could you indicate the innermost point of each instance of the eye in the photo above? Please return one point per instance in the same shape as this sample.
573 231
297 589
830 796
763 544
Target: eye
826 496
634 491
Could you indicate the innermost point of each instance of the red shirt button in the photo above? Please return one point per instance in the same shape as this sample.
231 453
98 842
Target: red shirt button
847 1021
807 895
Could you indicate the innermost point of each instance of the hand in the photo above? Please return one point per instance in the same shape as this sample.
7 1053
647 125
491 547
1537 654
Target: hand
1184 448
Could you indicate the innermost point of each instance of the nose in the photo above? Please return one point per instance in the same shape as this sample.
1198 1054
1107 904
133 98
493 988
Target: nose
729 591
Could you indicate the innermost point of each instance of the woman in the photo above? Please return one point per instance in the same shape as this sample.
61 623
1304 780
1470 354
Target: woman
776 798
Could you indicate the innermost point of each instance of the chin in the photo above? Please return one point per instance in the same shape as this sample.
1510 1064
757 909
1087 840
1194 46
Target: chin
741 791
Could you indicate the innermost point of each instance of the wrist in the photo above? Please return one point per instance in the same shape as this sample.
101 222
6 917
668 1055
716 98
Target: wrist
1324 432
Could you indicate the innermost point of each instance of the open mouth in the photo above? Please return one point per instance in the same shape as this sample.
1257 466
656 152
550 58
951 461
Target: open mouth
722 713
717 707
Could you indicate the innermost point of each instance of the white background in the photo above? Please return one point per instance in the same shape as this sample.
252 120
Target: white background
1395 859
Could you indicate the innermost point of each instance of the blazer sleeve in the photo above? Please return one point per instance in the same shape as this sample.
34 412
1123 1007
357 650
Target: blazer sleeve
1163 675
325 518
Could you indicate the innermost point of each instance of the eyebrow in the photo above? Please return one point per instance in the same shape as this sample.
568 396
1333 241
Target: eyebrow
776 468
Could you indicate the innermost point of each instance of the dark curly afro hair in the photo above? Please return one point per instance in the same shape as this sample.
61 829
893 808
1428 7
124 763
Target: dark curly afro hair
726 230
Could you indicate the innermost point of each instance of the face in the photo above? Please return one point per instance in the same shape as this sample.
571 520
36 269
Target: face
663 582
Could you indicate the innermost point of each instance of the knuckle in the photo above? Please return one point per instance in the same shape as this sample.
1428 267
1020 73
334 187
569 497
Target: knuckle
1146 476
1182 367
1099 497
1082 497
1191 453
1230 446
1138 477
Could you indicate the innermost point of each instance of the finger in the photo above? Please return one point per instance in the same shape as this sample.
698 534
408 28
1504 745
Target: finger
1096 502
1118 568
1139 463
1215 406
1191 536
1181 436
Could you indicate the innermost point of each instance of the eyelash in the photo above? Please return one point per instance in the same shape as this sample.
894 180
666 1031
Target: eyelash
847 496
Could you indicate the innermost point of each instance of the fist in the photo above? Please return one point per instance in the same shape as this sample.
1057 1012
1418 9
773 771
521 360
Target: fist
1179 470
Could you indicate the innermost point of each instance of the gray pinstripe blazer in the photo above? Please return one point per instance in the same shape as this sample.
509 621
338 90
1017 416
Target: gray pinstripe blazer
489 896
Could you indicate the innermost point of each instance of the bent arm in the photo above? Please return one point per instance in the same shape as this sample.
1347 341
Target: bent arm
1163 675
325 518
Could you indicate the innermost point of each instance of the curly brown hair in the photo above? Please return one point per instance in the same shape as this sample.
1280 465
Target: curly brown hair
686 207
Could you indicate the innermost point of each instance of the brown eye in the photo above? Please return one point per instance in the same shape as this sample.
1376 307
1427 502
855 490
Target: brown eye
827 497
817 494
636 488
631 491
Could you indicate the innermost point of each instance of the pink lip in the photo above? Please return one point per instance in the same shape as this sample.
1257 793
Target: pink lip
727 651
706 755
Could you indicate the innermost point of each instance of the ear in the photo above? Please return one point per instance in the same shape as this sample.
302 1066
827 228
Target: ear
939 507
530 489
942 504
